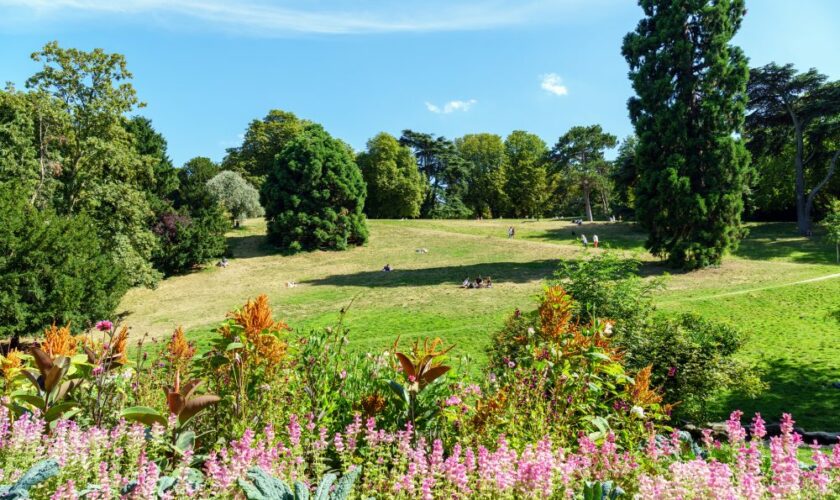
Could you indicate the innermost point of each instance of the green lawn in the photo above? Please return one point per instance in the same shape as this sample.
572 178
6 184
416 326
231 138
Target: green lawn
782 290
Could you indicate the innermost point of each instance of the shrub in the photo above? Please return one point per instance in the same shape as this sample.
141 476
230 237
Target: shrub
553 377
692 360
53 268
314 195
186 242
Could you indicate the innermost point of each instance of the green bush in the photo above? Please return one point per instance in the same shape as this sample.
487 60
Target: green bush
609 287
692 360
52 269
696 352
314 195
185 242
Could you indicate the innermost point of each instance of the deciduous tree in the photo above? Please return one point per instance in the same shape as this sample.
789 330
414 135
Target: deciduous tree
486 164
236 195
525 184
395 186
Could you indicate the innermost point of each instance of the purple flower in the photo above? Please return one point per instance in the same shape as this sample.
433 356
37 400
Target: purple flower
672 371
104 325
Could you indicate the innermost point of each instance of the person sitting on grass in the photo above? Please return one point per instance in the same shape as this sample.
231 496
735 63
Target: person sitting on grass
478 282
387 268
488 283
466 283
223 262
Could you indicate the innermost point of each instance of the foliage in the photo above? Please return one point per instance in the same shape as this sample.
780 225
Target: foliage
553 377
606 286
579 156
624 175
487 163
193 194
395 187
239 198
795 116
261 486
185 242
100 172
263 140
692 360
831 223
244 366
54 269
445 171
525 182
39 473
688 111
314 195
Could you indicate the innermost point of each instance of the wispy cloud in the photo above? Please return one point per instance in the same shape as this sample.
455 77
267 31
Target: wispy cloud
552 83
451 106
262 18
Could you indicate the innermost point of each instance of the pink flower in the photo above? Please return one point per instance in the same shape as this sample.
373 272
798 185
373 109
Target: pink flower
672 371
104 325
343 374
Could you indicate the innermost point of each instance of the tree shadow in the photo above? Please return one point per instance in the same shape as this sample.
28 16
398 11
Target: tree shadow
797 388
249 246
501 272
618 235
780 240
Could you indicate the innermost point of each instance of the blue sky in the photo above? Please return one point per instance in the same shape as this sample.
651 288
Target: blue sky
208 67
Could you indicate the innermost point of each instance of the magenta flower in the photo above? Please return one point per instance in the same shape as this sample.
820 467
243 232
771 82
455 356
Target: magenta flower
672 371
104 325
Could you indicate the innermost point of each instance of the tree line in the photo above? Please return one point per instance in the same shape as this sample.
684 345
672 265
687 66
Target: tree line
92 204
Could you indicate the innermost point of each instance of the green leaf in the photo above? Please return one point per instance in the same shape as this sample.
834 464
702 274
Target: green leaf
36 401
185 441
144 415
58 410
400 391
233 346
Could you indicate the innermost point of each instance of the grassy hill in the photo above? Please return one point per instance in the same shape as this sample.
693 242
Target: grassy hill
782 290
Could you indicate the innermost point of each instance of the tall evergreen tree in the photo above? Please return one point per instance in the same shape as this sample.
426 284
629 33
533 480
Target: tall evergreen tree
688 113
525 175
395 186
314 195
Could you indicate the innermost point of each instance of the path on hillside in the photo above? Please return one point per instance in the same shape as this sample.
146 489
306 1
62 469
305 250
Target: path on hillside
757 289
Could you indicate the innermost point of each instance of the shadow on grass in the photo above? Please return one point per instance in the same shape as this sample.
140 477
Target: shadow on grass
500 272
250 246
780 240
621 236
796 388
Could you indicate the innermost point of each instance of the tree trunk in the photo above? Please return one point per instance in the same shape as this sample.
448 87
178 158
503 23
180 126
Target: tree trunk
809 202
802 222
588 205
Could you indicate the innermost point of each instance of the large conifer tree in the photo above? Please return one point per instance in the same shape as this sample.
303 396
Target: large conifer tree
688 113
314 195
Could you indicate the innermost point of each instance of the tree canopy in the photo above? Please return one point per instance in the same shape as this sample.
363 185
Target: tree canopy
795 117
395 186
579 156
264 138
690 85
314 194
486 173
236 195
526 184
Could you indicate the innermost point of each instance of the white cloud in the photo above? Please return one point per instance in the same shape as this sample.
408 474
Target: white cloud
551 82
267 18
451 106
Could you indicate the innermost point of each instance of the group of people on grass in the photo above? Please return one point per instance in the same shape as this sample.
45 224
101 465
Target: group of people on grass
478 283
